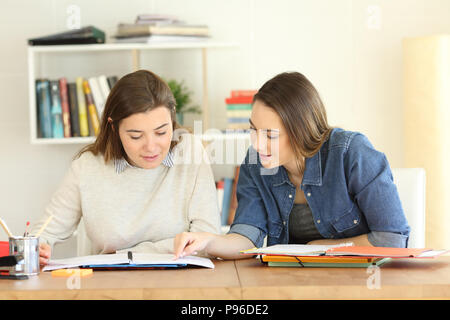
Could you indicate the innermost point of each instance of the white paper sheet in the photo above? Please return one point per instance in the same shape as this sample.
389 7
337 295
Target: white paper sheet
295 249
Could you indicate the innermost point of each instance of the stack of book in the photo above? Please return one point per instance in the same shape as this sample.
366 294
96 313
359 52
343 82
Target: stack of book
335 256
150 28
239 108
71 109
226 196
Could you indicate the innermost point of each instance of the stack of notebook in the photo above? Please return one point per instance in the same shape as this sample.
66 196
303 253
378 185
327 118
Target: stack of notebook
335 256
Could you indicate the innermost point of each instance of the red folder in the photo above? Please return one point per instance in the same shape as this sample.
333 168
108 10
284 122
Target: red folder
4 248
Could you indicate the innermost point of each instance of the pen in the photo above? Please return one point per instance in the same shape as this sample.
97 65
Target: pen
25 234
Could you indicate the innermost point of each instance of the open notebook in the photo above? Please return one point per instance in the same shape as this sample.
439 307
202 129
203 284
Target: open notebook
128 260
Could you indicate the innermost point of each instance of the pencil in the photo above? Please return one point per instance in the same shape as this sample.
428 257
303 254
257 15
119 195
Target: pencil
44 226
5 227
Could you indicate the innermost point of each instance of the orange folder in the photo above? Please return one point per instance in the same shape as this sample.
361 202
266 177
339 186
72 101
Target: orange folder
384 252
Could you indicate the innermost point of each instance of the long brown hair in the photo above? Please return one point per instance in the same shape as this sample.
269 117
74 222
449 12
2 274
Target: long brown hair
136 92
301 110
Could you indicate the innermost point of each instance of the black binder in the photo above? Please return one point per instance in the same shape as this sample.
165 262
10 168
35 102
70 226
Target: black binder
86 35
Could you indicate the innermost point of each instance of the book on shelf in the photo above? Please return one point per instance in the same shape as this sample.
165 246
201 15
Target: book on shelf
160 39
92 109
157 19
133 30
56 111
82 110
61 103
220 193
65 107
225 197
233 197
243 93
227 189
239 108
74 117
85 35
97 95
44 108
112 80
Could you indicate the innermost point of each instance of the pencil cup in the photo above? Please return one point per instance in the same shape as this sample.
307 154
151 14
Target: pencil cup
28 247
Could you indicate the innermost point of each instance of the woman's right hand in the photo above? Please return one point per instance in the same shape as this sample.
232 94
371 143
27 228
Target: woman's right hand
187 243
45 251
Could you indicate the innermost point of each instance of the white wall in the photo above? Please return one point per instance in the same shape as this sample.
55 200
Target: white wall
357 69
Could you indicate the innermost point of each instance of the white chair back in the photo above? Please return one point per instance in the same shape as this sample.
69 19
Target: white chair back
410 184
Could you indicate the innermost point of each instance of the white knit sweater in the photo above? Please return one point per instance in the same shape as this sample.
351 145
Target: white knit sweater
137 209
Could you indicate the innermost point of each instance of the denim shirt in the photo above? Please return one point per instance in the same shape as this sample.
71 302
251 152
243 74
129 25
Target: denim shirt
347 184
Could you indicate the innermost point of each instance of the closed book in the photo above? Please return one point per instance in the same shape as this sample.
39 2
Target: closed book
239 120
104 87
73 103
154 38
44 108
239 113
239 106
227 188
86 35
112 80
126 30
82 111
239 100
301 264
63 90
219 188
56 111
99 101
233 201
238 126
93 116
243 93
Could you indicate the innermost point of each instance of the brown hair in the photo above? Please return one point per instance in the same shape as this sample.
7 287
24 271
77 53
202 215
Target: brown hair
301 110
136 92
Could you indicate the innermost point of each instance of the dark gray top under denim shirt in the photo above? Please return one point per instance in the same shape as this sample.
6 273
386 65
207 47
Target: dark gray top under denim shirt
348 186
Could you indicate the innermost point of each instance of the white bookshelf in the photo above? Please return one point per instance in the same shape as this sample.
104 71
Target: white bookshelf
35 52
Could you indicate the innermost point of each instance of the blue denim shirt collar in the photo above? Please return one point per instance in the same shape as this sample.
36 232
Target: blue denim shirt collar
311 176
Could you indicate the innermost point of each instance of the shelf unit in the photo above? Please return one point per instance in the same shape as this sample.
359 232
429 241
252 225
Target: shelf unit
135 49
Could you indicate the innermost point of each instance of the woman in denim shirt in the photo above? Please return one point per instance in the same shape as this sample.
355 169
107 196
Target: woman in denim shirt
303 181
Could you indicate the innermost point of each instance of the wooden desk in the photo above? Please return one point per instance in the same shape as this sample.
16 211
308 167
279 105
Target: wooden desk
246 279
199 283
399 279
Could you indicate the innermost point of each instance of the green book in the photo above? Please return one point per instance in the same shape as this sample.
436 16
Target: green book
239 106
378 262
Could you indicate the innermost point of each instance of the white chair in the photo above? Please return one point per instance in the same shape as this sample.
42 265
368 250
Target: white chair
410 184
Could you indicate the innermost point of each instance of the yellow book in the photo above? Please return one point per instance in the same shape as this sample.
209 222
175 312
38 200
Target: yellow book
93 116
82 112
322 259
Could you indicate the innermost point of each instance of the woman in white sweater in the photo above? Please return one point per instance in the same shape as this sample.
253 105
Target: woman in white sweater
140 183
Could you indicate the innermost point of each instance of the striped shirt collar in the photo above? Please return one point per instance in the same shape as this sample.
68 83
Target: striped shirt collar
121 164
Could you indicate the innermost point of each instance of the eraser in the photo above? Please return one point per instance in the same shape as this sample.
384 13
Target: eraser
71 272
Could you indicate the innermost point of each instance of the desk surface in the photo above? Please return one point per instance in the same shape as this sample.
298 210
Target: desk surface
246 279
